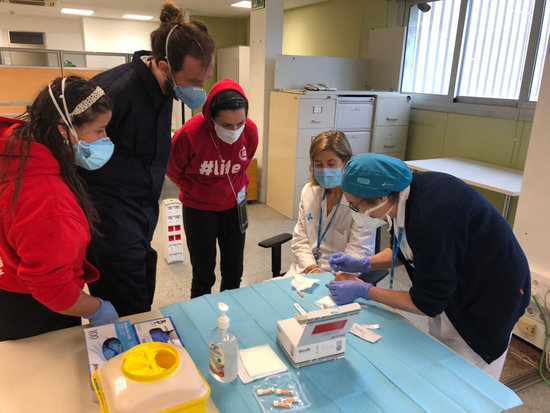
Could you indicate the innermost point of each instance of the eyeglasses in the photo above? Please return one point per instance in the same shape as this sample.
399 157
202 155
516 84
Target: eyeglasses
352 207
368 211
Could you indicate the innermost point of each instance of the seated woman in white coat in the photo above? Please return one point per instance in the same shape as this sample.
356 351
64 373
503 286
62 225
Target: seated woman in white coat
325 224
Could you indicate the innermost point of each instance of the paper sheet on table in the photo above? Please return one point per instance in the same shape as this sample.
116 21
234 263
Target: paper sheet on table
302 283
325 302
257 362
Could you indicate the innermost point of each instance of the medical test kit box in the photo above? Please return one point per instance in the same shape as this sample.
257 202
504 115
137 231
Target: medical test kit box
317 336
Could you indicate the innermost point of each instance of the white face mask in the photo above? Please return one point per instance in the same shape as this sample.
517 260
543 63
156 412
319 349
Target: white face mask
363 219
226 135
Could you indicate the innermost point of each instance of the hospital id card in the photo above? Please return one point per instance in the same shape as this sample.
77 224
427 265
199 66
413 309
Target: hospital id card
241 208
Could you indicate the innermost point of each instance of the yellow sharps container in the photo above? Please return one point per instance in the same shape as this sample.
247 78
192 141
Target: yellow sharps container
151 377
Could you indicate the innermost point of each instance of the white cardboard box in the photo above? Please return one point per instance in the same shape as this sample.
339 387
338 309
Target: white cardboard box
318 336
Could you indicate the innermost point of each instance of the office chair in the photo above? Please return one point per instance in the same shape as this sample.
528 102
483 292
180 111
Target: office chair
275 243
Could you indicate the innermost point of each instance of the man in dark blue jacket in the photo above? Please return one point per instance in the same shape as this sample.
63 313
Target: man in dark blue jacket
127 190
468 271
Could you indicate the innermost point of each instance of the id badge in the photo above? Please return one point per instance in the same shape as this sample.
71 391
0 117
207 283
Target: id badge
316 254
241 208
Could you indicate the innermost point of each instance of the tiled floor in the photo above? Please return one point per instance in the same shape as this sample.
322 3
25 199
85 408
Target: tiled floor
174 281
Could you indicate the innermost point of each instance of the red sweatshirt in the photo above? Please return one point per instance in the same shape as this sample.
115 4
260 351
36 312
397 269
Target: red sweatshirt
43 239
195 164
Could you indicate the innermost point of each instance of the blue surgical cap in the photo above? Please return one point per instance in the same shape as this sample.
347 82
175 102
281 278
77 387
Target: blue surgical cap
372 175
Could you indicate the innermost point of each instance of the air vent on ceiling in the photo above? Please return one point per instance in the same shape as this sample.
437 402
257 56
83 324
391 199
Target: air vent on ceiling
26 38
41 3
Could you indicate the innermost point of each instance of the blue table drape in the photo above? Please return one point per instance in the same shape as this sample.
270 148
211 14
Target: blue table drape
405 371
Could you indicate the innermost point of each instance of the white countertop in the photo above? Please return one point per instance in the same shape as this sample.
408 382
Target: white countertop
495 178
323 93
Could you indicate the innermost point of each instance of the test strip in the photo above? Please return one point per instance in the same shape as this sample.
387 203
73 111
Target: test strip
300 309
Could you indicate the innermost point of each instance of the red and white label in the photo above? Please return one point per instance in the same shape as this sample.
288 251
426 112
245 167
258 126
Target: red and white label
332 326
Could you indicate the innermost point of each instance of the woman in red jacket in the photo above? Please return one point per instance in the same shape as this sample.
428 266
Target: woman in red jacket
45 212
208 161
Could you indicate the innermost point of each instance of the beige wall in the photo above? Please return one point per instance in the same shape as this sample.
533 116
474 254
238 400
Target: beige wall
341 28
226 33
338 28
497 141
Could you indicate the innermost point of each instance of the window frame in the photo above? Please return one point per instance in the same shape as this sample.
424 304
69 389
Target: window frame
520 109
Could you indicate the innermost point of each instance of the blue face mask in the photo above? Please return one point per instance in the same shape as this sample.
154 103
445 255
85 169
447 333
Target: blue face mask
93 155
328 177
192 96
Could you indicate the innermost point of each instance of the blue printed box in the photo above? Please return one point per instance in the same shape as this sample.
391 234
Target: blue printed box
106 341
159 329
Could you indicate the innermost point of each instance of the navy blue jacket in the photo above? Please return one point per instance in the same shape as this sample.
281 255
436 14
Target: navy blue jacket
467 262
140 130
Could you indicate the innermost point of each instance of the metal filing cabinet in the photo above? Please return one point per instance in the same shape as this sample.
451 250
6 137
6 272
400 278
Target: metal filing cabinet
354 118
372 121
295 119
391 124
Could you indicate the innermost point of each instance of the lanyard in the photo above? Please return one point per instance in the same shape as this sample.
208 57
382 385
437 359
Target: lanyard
394 250
319 236
227 174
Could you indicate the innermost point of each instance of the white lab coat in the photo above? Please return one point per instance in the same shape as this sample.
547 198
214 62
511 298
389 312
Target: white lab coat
343 234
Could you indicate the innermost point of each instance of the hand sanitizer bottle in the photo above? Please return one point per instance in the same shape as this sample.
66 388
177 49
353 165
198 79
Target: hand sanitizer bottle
224 349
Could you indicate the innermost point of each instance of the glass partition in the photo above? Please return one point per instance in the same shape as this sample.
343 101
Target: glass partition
93 61
10 56
29 57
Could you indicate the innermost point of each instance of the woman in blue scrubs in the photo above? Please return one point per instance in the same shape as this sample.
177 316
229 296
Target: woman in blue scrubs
468 271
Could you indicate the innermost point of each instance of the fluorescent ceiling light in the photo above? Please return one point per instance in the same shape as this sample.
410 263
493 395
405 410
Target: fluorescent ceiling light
137 17
80 12
243 4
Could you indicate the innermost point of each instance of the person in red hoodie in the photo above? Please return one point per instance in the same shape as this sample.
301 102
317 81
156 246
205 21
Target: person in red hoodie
208 161
45 212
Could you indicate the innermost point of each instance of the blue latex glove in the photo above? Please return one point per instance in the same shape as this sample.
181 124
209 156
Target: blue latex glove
106 314
345 292
343 262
